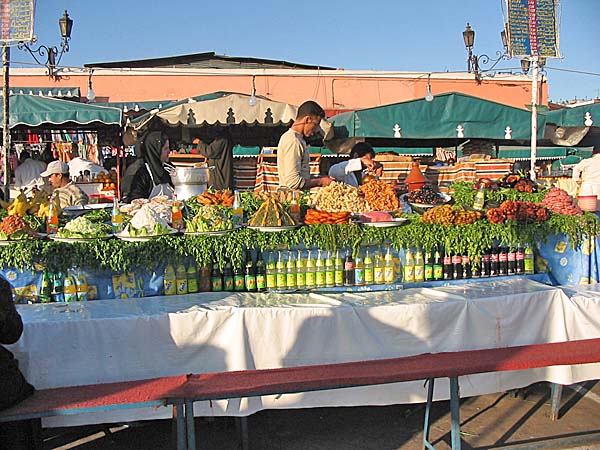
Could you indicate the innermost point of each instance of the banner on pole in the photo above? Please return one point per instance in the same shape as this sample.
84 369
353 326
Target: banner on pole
533 28
16 22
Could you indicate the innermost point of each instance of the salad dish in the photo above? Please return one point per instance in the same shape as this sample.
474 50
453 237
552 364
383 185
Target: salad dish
209 219
81 229
145 224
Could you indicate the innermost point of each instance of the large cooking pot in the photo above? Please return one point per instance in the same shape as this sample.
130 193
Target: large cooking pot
190 181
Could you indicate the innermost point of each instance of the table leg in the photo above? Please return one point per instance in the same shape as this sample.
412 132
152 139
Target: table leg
430 382
455 413
555 394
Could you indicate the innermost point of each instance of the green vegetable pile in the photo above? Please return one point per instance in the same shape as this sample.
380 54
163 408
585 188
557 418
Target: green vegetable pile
209 218
82 227
117 255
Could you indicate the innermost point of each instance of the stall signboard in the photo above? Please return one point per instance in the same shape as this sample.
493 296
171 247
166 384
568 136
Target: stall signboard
17 20
533 28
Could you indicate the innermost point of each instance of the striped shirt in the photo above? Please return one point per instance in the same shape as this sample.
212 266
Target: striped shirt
71 195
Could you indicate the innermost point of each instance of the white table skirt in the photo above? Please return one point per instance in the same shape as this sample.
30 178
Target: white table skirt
117 340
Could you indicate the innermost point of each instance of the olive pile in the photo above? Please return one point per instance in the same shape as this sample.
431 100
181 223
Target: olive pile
425 196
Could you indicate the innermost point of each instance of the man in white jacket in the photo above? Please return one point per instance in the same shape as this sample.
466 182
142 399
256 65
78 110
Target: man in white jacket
587 172
361 162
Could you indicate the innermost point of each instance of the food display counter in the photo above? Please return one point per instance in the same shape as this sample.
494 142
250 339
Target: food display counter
117 340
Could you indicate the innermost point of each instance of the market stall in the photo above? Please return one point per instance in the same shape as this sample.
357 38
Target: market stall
63 129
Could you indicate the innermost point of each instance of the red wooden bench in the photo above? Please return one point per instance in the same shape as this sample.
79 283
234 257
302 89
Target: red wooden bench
100 397
429 366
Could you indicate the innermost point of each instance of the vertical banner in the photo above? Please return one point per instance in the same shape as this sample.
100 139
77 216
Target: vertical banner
16 21
533 28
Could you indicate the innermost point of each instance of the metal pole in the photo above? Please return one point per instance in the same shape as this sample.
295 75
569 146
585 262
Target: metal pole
534 100
5 124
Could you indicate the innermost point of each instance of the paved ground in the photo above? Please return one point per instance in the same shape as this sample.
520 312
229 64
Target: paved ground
499 421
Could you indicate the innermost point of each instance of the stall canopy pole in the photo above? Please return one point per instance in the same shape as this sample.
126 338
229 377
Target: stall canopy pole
534 100
5 124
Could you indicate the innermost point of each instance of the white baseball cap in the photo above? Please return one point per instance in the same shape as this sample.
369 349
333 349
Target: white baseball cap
55 167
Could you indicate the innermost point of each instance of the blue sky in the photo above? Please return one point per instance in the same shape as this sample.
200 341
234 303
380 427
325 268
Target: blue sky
375 35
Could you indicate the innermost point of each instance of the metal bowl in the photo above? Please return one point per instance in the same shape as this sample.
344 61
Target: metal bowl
190 175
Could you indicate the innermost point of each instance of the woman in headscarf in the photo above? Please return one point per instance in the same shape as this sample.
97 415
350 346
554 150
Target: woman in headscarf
148 170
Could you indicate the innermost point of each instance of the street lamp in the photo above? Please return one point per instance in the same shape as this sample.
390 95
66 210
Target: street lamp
53 54
475 62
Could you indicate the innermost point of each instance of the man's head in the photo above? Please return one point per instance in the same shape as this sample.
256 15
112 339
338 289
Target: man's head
365 152
308 118
23 156
57 173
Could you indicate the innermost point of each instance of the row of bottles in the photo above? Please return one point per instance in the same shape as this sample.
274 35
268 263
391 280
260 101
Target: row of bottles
59 287
306 269
498 261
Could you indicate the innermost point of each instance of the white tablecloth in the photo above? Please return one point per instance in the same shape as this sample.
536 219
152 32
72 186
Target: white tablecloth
115 340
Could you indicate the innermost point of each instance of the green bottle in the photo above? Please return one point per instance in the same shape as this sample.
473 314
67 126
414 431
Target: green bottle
271 272
319 271
301 271
338 269
290 271
310 274
169 280
192 277
329 270
228 283
369 267
261 274
216 282
281 272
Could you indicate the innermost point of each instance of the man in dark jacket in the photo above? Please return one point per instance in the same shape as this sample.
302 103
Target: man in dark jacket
13 386
219 153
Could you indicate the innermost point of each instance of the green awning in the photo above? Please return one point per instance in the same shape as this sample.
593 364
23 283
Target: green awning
578 116
448 116
34 111
525 152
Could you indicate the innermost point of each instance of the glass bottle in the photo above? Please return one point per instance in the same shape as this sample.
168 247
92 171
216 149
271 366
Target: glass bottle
529 260
466 266
281 275
338 269
237 212
409 266
69 288
457 267
228 281
503 261
82 285
116 217
348 269
239 283
271 271
329 269
169 280
295 208
369 267
519 260
250 274
359 270
320 270
448 269
181 276
419 266
290 270
192 276
389 266
52 219
494 261
301 270
310 274
379 269
511 262
428 266
216 281
438 265
57 288
176 214
46 288
261 273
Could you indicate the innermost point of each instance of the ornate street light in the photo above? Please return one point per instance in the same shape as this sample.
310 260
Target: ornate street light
53 54
474 62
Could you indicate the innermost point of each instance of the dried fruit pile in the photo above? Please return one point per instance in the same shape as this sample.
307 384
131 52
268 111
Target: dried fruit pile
224 198
519 211
447 215
380 196
313 217
426 196
559 202
338 197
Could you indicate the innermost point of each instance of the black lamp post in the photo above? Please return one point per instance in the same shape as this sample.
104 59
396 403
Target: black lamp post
53 54
475 62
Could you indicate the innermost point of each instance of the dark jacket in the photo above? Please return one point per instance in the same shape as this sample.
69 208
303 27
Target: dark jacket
147 170
219 154
13 387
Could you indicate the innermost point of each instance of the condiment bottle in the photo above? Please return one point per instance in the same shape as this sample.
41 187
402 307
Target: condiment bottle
479 201
237 212
176 214
116 217
169 280
52 219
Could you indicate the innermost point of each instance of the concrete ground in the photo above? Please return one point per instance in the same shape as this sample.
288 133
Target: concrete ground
510 420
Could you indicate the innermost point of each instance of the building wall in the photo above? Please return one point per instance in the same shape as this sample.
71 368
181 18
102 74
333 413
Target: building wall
331 89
